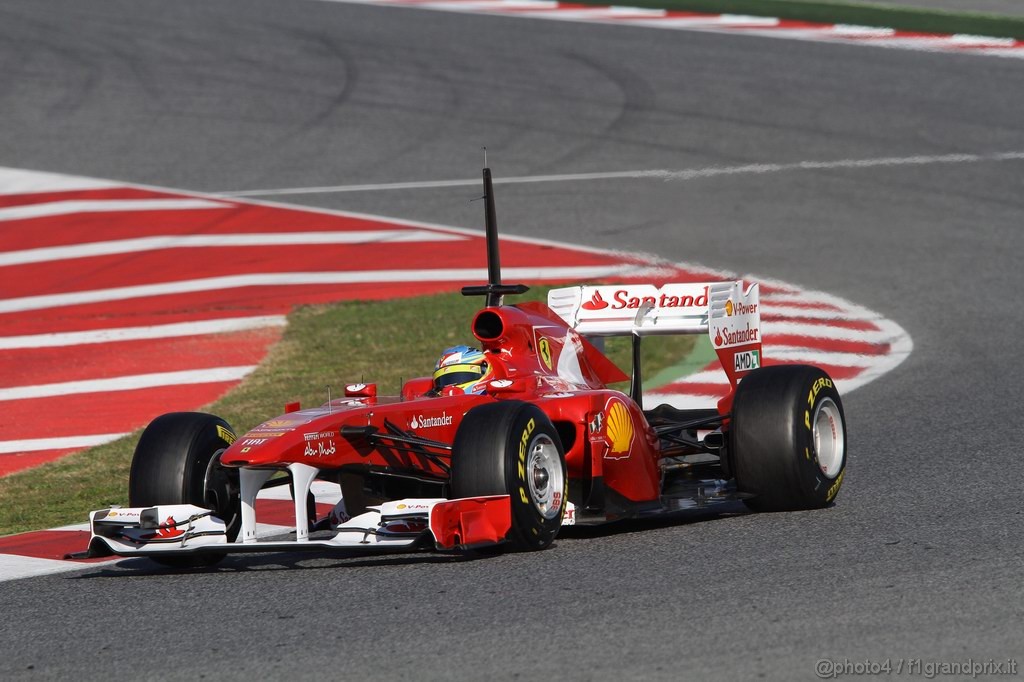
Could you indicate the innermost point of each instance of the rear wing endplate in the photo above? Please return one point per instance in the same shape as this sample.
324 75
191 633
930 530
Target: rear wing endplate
729 314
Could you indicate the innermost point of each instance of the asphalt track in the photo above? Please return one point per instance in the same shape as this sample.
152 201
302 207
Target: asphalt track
920 558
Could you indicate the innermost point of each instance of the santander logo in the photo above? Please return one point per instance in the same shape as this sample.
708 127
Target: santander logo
596 302
625 299
421 422
725 337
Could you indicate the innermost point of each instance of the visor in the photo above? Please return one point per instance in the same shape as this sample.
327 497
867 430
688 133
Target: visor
455 375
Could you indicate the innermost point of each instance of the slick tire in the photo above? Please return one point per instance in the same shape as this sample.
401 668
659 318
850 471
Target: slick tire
177 461
788 438
511 448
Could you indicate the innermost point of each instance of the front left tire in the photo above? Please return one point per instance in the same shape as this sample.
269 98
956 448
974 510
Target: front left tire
511 448
177 461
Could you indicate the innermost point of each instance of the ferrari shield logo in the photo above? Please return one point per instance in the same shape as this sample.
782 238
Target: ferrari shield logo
544 351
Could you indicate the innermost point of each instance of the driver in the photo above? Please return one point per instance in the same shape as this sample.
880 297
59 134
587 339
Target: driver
461 368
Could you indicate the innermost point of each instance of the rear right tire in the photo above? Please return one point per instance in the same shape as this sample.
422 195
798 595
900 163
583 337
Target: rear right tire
787 440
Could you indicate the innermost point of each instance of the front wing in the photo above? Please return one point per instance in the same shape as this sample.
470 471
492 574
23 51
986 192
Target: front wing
184 529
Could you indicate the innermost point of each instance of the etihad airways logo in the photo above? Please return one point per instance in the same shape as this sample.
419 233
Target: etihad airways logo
421 422
623 299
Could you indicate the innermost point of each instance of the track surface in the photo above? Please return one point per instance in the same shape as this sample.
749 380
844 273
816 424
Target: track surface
922 555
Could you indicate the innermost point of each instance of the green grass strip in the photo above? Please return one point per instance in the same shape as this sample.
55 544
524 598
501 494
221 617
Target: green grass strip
702 354
380 341
862 14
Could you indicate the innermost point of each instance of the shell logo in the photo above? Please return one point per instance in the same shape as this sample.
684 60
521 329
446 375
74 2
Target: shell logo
728 307
619 431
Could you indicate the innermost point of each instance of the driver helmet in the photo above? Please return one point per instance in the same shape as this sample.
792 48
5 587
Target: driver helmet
460 367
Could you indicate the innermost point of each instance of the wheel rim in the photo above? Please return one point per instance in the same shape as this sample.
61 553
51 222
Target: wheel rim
829 439
544 476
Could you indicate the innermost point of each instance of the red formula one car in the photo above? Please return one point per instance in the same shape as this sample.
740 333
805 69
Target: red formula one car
507 455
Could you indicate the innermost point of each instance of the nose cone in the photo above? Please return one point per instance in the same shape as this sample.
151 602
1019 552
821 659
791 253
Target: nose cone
279 441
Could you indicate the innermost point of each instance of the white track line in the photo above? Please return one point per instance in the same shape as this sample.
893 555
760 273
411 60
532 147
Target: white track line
818 357
127 383
824 332
790 353
13 566
681 401
855 31
1013 53
118 246
922 43
477 5
434 184
795 297
73 526
840 164
982 41
63 443
770 309
327 278
707 376
707 22
20 181
717 375
55 208
161 331
656 174
595 14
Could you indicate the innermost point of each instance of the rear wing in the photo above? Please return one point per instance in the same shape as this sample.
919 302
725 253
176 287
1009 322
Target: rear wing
729 314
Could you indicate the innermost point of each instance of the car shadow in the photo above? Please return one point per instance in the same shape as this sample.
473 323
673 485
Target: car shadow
683 517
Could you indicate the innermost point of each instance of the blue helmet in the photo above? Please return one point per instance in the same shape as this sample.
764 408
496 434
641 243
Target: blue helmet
461 367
